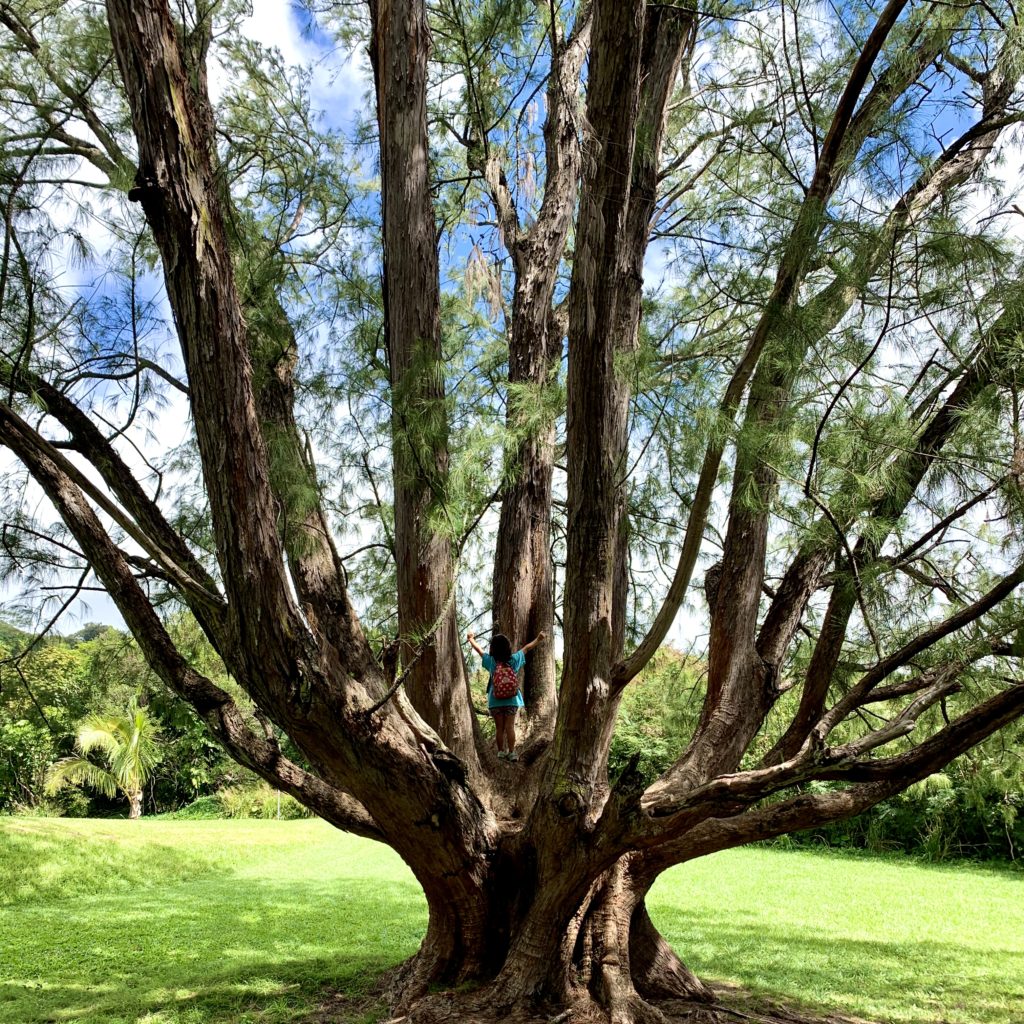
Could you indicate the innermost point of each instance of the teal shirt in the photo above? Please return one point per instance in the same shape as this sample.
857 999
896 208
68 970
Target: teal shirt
517 662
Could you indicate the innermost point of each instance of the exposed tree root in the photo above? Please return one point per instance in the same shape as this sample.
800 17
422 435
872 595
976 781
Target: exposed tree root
657 971
477 1007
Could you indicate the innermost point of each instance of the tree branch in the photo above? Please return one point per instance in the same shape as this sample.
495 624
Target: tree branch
23 440
213 704
801 244
921 642
994 356
179 189
114 156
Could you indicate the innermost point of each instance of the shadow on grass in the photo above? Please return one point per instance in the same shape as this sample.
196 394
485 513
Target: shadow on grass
206 951
921 981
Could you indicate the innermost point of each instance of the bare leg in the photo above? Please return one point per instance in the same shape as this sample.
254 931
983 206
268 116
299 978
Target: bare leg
499 727
510 732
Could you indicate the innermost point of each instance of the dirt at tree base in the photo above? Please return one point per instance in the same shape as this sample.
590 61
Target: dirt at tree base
733 1005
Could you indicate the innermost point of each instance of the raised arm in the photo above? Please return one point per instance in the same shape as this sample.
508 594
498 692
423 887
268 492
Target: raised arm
533 643
471 639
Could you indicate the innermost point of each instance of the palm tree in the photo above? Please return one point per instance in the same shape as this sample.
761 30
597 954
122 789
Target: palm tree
130 745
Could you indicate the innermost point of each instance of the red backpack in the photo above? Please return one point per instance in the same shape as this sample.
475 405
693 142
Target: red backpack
505 683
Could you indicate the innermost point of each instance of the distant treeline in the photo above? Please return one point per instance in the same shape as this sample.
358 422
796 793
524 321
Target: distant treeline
49 685
974 809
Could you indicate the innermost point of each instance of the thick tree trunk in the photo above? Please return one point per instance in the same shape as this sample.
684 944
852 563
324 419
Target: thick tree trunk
523 598
656 969
541 949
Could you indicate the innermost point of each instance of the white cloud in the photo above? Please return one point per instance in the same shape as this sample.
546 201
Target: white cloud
274 24
341 79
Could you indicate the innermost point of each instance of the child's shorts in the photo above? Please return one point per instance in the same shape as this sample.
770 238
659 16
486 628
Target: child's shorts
503 711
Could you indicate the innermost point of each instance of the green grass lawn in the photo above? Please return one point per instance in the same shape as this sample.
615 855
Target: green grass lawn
885 939
227 922
217 921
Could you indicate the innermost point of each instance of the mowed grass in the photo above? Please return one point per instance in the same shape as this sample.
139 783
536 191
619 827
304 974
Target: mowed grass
221 921
884 939
258 922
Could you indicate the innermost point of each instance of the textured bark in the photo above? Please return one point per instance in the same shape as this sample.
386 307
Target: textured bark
431 654
599 952
178 190
390 760
523 601
523 578
669 35
135 805
657 971
635 59
597 396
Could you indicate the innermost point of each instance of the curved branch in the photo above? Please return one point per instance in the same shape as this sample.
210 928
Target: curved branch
994 356
930 637
90 442
112 158
213 704
23 440
937 751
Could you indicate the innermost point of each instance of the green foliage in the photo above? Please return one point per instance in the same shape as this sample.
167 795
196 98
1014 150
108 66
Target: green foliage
12 638
129 744
657 715
60 682
258 800
206 808
44 691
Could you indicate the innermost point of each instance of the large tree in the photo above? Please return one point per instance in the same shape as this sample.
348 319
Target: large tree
823 400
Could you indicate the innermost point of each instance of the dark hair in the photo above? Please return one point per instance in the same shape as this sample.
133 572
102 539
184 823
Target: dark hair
501 648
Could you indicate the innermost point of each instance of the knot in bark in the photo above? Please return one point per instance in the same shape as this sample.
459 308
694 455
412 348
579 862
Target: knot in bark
145 190
770 679
450 766
569 804
712 581
631 782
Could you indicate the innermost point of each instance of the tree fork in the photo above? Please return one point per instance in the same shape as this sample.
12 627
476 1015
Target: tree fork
523 583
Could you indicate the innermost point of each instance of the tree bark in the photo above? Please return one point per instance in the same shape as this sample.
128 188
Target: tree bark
523 601
598 399
635 59
430 651
657 971
598 953
135 805
523 575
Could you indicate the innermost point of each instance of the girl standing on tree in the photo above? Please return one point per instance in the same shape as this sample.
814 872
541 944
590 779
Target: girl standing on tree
500 661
